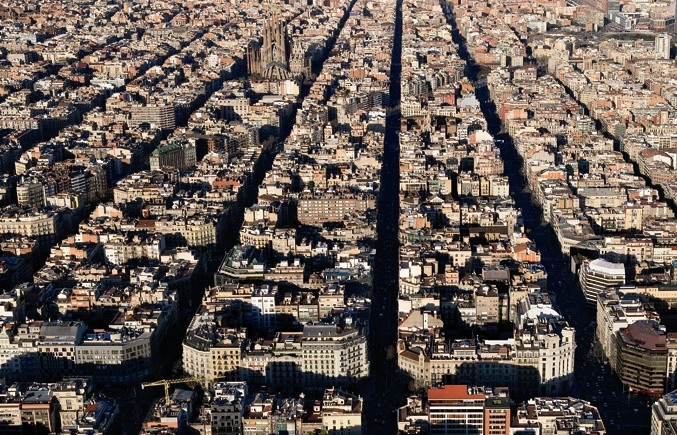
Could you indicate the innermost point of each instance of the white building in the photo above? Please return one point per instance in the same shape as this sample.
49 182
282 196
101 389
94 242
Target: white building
597 275
543 333
662 46
211 352
329 352
663 412
120 249
31 194
540 357
263 306
555 415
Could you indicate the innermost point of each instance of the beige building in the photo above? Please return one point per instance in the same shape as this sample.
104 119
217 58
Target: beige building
487 305
341 413
46 226
326 207
536 359
211 353
227 407
156 114
194 232
30 194
71 394
10 415
664 414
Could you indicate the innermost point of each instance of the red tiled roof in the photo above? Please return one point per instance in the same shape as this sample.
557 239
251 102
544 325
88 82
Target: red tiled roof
452 392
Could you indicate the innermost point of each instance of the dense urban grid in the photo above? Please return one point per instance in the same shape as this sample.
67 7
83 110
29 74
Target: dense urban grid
338 217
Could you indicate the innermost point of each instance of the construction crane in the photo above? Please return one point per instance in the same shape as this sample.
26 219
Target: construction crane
167 382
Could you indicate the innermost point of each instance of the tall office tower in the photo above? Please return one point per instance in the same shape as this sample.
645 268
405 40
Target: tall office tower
268 57
611 7
662 46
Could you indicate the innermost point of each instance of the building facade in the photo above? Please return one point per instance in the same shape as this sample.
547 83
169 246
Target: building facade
333 355
614 313
641 357
459 409
597 275
268 56
664 414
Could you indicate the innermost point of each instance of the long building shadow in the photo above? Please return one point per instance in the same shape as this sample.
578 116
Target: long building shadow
561 283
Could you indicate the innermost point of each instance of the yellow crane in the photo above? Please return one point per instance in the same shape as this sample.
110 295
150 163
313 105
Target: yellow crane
167 382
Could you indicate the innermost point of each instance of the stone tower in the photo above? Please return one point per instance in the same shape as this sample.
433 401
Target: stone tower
269 56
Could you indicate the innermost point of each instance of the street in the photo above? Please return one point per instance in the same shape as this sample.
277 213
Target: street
383 393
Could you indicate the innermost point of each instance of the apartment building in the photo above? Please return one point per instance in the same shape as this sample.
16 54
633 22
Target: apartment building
555 415
341 412
30 194
460 409
162 116
333 355
227 407
211 352
332 207
45 226
615 312
664 415
120 356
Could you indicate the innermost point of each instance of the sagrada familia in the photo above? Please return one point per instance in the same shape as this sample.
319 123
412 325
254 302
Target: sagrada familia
273 57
